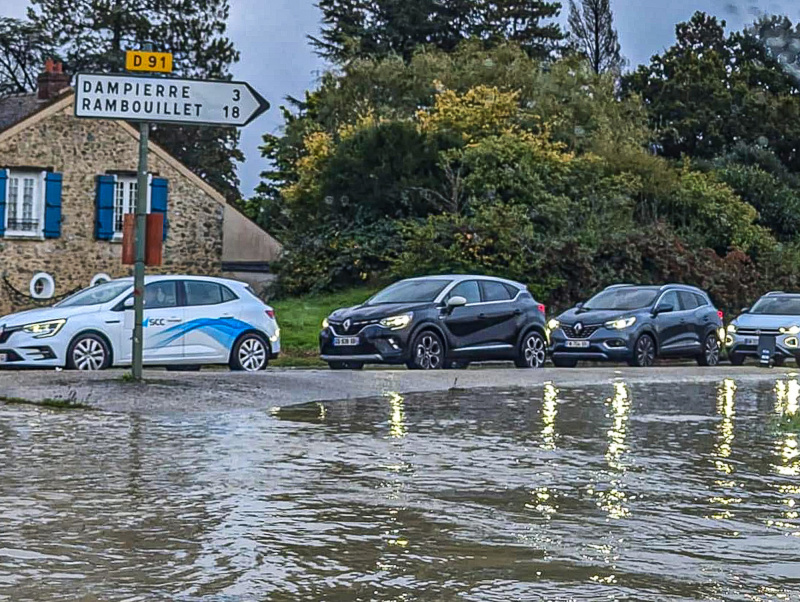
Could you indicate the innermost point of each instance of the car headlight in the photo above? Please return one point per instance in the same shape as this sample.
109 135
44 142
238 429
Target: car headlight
44 330
621 324
398 322
732 328
325 323
791 330
554 324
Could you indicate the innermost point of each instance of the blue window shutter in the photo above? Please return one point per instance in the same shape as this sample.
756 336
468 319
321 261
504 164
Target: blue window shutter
3 180
159 193
104 221
52 205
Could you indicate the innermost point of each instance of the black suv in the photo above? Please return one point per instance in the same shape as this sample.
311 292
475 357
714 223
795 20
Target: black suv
637 324
438 322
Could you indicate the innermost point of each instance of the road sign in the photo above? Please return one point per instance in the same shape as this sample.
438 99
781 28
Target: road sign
139 60
167 100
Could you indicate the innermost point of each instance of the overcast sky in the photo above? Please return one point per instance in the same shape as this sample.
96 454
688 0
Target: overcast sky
277 60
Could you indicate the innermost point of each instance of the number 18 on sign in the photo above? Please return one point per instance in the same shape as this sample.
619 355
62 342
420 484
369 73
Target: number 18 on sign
167 100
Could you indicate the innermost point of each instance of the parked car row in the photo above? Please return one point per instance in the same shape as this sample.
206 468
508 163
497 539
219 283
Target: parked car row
430 323
451 321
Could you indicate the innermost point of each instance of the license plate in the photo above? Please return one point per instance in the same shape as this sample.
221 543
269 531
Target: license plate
345 341
578 344
3 358
751 342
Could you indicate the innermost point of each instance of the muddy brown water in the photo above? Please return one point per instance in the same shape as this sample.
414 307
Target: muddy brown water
612 492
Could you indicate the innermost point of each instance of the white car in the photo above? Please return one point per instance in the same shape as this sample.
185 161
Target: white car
189 322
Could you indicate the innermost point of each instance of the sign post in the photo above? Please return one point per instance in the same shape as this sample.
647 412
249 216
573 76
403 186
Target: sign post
146 100
138 268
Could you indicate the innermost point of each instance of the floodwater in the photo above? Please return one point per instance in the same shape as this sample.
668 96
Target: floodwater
609 492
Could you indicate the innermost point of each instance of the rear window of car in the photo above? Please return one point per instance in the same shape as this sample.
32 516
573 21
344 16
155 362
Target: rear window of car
203 293
688 300
494 291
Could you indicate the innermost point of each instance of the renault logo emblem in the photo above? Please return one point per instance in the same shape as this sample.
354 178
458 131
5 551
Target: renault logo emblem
347 324
578 328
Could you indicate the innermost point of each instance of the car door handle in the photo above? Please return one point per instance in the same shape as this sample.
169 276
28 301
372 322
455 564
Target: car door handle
482 316
517 312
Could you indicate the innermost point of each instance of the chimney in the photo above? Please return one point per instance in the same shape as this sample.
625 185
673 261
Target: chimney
53 81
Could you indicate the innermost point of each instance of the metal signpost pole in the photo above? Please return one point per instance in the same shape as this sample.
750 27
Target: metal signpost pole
138 270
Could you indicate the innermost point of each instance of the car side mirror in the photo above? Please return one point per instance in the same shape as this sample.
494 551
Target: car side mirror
456 301
745 310
579 306
128 303
664 309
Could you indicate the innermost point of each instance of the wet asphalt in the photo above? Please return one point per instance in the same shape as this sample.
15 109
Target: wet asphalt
218 390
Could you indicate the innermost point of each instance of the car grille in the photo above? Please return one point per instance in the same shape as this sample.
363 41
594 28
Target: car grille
355 327
585 333
7 332
754 332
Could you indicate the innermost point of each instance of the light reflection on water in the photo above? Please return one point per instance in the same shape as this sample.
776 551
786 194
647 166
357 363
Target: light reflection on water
615 492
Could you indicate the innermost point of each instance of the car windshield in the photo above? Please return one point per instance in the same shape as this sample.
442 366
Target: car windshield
410 291
622 299
96 295
777 306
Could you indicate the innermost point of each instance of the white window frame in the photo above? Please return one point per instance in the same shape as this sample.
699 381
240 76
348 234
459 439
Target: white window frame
129 204
38 209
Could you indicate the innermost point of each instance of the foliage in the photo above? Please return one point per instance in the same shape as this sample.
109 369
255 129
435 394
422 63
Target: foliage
377 29
301 317
93 35
592 30
709 92
23 52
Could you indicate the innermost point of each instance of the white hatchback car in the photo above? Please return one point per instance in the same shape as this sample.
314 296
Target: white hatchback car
190 321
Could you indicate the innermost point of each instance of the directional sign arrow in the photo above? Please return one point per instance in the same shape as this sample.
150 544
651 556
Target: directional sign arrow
167 100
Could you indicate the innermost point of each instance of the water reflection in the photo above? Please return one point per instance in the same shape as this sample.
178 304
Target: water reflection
613 500
787 406
723 448
397 418
549 415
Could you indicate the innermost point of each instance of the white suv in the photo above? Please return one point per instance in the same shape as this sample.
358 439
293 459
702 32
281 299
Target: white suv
190 321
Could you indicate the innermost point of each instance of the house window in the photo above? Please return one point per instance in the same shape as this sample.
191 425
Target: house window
126 190
25 204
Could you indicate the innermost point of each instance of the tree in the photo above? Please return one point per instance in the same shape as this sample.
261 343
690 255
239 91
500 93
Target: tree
710 92
23 52
592 28
93 35
354 29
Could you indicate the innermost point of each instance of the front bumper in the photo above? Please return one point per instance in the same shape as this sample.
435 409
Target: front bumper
605 345
376 345
786 346
34 356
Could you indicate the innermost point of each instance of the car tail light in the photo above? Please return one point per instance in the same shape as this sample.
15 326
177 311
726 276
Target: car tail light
542 308
271 313
721 315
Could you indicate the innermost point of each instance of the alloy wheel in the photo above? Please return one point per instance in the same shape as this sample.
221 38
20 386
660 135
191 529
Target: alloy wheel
252 355
429 353
534 351
711 351
645 352
89 355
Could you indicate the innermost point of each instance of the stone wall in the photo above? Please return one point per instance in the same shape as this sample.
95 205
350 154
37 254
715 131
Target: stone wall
81 149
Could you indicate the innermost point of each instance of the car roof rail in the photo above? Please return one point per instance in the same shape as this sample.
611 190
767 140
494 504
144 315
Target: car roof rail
619 286
772 293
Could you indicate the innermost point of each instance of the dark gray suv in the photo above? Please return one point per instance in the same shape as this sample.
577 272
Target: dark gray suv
637 324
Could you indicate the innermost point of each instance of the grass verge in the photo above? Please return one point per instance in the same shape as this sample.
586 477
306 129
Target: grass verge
53 404
301 320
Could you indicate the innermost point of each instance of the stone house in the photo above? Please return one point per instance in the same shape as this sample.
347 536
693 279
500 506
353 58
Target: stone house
65 185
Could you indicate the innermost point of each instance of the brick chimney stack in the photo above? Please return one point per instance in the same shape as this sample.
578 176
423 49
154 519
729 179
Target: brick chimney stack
53 81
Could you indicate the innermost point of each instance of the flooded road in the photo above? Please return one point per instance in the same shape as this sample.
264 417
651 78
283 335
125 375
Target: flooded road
619 492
